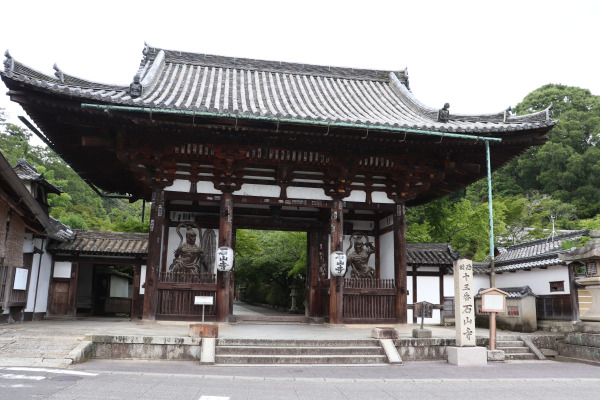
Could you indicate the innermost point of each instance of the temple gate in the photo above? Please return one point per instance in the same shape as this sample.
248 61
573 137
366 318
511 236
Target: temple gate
223 143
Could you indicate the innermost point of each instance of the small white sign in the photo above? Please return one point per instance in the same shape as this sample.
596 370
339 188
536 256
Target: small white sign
203 300
20 279
492 303
62 269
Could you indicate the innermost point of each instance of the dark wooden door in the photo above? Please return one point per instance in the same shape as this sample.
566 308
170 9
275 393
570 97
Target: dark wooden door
59 304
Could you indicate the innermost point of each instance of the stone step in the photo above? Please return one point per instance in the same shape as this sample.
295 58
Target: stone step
299 351
306 359
288 351
521 356
512 350
295 319
507 338
510 343
298 342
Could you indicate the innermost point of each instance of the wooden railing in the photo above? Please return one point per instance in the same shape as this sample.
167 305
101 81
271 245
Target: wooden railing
367 283
369 300
177 292
186 277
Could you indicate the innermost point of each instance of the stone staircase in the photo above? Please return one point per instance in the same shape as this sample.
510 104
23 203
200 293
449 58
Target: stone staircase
515 348
260 351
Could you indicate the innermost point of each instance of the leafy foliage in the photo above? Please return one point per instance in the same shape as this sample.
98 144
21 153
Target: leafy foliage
268 263
78 206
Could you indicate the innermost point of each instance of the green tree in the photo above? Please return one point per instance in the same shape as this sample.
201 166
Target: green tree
268 263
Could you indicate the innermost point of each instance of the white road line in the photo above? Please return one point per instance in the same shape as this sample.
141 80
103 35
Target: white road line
213 398
16 385
13 376
51 371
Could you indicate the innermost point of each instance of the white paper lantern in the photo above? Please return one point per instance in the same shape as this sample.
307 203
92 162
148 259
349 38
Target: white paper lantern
224 259
337 263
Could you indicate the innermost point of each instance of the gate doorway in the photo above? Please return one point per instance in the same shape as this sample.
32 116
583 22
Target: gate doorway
105 290
270 276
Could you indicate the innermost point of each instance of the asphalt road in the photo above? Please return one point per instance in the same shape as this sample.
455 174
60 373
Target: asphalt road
110 379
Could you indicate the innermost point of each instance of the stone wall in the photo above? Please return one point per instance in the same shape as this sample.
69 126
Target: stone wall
145 347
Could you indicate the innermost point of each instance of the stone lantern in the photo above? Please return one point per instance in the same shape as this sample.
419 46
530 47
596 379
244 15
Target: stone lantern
589 256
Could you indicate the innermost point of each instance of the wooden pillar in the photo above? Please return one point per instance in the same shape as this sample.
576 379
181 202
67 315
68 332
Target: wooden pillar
442 294
441 287
136 309
157 223
400 262
232 276
225 238
574 294
378 248
414 292
313 273
336 290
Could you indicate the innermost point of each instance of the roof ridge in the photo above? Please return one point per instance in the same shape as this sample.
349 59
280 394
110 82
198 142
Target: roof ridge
582 232
211 60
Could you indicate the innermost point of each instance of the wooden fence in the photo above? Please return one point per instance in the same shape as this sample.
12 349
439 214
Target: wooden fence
555 307
176 294
369 301
8 296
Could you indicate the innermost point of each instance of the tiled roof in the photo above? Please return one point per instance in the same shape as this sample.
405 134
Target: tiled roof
514 292
60 231
104 243
237 87
535 254
479 268
27 172
434 254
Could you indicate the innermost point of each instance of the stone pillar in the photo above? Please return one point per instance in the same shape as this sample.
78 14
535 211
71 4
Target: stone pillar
157 223
400 262
336 290
465 352
464 303
225 238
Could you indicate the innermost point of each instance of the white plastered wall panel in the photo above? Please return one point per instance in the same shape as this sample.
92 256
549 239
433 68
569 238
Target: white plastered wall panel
428 289
537 279
386 255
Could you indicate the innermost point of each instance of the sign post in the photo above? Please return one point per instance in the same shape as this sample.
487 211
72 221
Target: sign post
204 301
493 300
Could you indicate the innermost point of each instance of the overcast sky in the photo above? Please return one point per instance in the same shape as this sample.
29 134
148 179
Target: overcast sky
479 56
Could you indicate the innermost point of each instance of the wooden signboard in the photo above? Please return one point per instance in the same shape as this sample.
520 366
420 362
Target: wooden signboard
493 300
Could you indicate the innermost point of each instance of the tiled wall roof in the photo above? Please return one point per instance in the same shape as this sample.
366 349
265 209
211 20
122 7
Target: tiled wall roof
104 243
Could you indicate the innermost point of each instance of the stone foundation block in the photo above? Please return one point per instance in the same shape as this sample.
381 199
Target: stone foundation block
203 330
496 355
421 333
467 355
384 333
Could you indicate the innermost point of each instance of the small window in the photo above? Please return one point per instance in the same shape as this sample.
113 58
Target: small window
558 286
